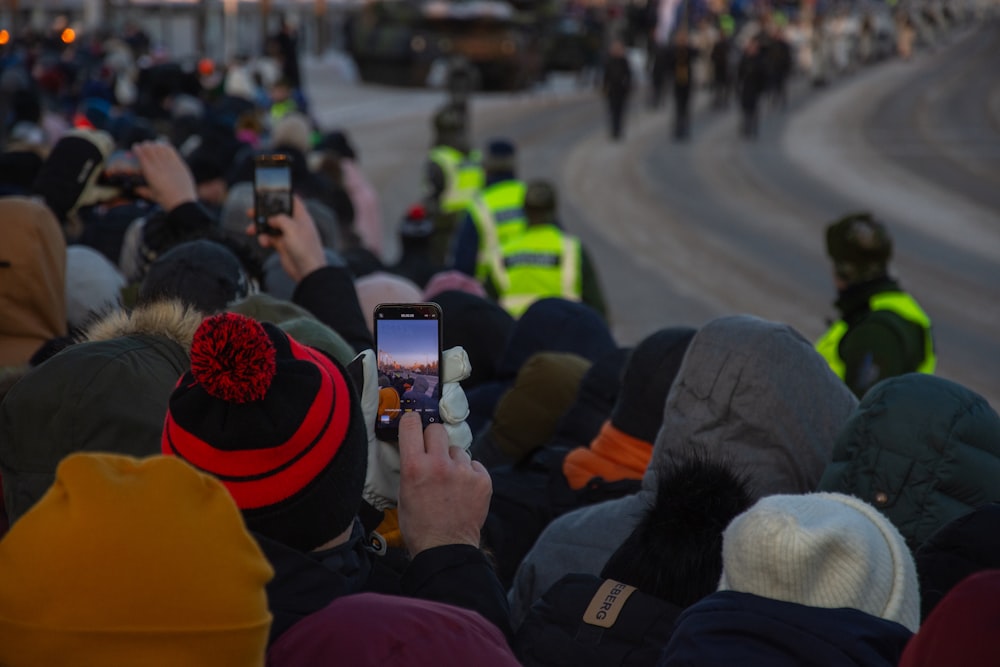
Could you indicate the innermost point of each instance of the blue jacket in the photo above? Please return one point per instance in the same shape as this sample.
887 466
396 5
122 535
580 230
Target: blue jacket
731 628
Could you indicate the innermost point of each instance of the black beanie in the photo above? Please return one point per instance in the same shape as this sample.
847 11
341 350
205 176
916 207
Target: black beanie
479 325
203 274
650 371
278 423
595 398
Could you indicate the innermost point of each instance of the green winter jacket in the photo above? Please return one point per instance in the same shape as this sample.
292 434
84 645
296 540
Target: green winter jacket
108 394
922 449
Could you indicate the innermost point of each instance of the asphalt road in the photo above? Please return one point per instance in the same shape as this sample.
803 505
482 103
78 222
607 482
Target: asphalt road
682 233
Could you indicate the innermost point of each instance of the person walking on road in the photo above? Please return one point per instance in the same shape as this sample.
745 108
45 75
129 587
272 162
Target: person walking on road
680 58
544 261
453 175
882 331
494 216
751 78
617 87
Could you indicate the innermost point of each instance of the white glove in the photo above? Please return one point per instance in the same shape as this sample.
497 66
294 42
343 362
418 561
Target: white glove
382 481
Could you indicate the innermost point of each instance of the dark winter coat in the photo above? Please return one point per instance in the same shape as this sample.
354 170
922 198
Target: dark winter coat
108 394
673 558
751 79
617 78
304 583
921 449
967 545
564 630
329 294
729 628
880 339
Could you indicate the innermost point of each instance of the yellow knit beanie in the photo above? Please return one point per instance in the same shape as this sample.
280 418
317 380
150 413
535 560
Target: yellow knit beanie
129 562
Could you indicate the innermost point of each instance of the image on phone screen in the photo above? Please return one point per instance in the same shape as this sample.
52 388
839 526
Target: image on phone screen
272 190
408 346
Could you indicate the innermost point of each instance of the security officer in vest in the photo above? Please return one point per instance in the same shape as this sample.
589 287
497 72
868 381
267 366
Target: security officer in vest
544 261
494 217
453 175
883 331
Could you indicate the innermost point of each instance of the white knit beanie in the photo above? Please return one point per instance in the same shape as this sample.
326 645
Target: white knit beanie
822 550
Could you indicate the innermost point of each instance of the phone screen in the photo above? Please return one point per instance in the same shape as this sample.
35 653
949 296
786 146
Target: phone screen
272 189
408 348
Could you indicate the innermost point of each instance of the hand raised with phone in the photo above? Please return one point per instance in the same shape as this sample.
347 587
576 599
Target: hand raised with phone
382 481
298 243
444 496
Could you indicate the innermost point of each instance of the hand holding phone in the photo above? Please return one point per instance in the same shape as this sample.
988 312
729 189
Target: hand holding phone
272 190
408 348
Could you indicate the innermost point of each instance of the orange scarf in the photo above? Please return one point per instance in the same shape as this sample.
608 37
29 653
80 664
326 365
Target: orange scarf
613 455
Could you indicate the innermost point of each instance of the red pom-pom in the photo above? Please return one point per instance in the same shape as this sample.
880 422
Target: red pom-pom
416 212
233 358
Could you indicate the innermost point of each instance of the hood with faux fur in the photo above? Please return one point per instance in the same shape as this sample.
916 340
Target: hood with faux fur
108 393
32 279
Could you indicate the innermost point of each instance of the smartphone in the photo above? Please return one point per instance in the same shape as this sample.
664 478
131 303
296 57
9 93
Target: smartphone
272 190
408 349
122 170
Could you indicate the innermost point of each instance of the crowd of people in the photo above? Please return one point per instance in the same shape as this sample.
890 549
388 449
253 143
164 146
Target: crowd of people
189 462
748 63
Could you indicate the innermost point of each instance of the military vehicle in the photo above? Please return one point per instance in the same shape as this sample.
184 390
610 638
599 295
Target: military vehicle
414 42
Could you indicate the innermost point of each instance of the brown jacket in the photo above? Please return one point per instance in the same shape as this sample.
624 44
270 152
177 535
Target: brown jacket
32 279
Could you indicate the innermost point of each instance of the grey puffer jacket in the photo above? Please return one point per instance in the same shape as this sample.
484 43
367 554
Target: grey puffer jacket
922 449
750 392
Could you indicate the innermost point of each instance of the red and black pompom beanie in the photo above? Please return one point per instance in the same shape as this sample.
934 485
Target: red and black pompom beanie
279 423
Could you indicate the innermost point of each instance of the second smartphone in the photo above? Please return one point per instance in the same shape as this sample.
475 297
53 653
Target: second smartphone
272 189
408 342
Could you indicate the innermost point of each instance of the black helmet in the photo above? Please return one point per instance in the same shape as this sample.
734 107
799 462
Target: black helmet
500 155
859 246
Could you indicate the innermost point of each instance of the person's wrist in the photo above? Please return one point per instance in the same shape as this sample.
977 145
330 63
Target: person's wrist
424 543
171 203
309 265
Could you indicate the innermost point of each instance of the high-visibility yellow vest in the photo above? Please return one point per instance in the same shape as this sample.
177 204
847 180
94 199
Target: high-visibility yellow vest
900 303
498 213
463 176
541 262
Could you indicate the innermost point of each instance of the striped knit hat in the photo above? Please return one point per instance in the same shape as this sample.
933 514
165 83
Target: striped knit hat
278 423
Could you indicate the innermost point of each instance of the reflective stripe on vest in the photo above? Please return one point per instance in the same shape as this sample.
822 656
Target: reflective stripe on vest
900 303
463 177
498 213
542 262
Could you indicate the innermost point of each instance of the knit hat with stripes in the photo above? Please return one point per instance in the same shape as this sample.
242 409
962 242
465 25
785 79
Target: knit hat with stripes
279 423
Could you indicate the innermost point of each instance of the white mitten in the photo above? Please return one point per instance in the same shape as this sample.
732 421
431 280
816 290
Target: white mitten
382 482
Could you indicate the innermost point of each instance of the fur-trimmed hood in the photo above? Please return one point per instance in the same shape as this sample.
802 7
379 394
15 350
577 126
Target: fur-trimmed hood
108 393
170 319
